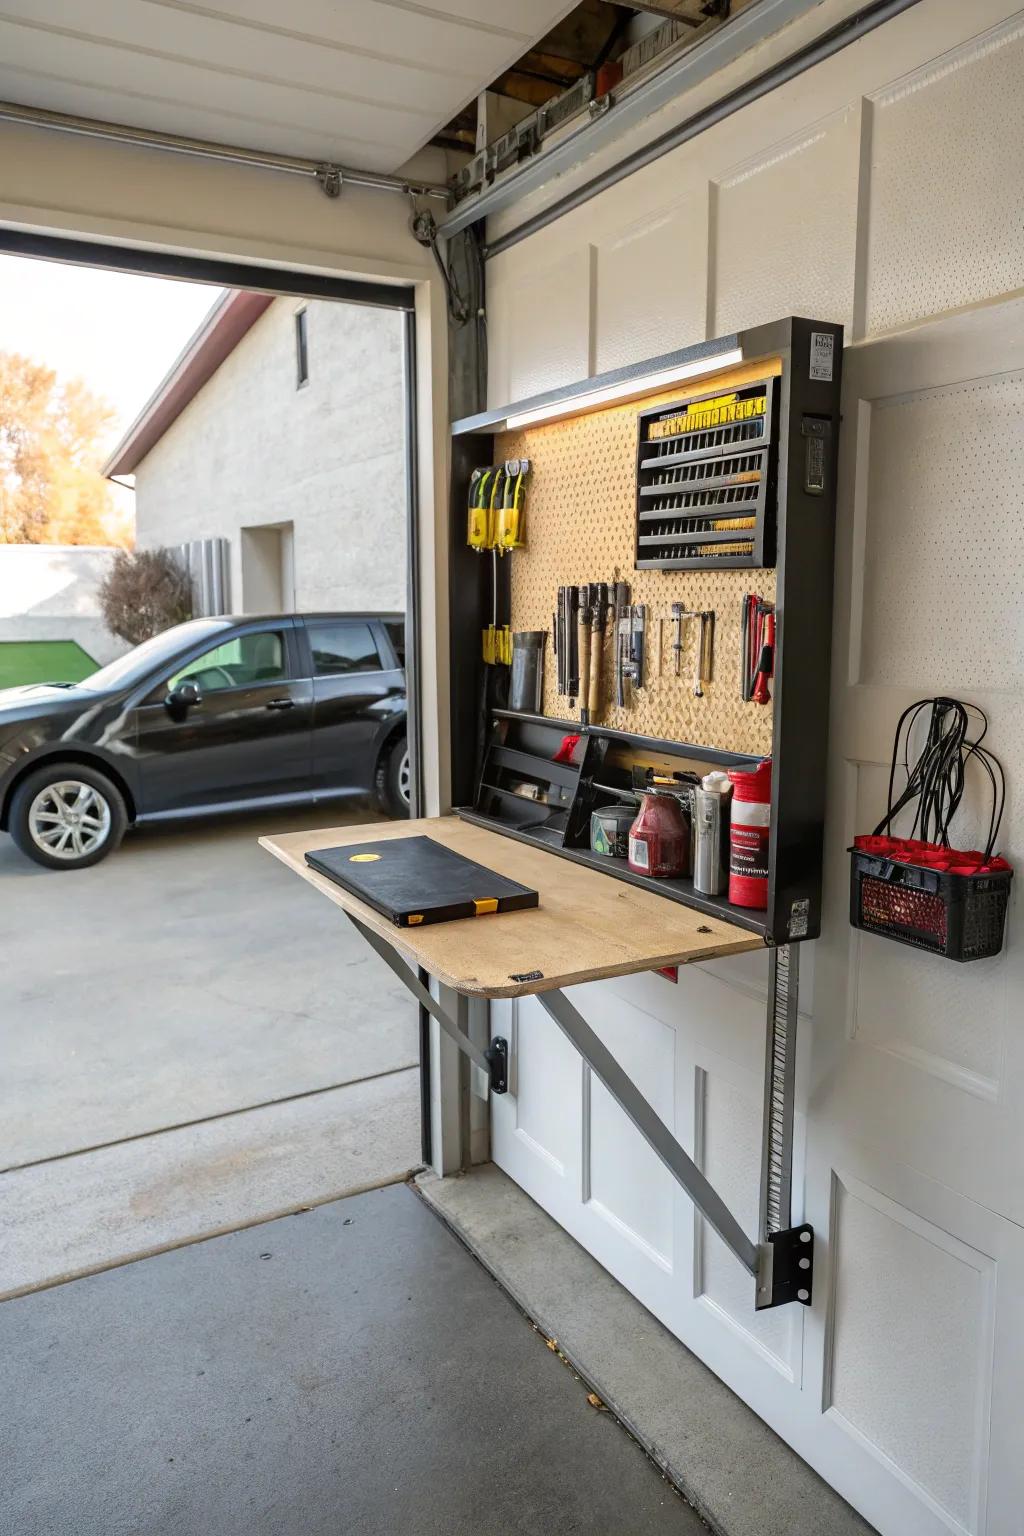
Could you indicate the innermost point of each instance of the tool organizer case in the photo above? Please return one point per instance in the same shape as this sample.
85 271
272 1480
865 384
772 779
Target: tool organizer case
706 481
756 440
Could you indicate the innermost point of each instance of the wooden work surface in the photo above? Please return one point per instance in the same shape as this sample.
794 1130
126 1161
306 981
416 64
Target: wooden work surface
588 925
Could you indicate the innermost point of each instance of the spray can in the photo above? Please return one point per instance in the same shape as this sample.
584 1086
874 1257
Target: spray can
711 834
749 834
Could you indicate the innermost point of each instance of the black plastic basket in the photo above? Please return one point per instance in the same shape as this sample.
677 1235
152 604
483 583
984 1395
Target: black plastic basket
958 916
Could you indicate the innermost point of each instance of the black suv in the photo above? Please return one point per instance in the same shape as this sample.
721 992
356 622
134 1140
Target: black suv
215 715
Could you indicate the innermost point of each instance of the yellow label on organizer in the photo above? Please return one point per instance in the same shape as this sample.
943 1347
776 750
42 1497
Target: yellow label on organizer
486 904
414 918
363 858
705 414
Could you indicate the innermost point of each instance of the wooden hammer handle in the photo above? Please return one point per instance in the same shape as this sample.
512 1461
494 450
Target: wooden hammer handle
583 641
596 658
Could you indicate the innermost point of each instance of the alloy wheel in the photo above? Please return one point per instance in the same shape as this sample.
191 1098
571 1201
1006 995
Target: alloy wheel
405 778
69 820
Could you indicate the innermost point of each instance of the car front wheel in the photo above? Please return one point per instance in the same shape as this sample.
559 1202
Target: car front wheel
394 779
67 816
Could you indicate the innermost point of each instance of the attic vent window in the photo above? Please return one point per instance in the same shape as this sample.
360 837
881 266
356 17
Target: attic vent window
301 349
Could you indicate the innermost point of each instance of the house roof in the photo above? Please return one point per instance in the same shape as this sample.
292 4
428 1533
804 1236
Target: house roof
235 313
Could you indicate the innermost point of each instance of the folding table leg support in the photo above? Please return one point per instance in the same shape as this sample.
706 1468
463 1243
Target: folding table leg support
493 1062
780 1262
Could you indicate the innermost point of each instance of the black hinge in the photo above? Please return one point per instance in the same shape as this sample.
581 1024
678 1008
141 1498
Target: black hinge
792 1267
497 1060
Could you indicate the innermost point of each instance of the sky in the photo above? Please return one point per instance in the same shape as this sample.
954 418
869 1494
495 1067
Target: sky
118 332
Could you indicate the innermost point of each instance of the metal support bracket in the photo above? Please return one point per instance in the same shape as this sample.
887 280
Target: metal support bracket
330 179
493 1062
781 1263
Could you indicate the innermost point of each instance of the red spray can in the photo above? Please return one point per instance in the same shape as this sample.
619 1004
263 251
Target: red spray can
748 835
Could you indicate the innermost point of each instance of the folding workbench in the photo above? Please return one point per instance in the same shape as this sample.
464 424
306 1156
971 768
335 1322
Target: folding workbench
587 927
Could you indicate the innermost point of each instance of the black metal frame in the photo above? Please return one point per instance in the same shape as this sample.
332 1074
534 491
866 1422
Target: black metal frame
807 411
204 269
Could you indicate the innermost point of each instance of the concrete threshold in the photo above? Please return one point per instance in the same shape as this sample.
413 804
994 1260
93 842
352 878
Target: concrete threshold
736 1472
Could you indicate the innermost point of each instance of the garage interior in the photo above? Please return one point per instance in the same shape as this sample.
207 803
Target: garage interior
618 226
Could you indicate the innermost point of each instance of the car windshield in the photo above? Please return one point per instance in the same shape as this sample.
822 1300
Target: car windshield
135 665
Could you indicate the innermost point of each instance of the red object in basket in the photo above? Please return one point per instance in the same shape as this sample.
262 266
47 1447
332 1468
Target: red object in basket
749 835
911 850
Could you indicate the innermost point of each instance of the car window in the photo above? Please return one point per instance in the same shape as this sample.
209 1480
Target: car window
396 634
342 648
247 659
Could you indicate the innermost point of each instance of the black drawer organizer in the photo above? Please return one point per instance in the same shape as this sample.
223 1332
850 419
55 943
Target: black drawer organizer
706 481
531 797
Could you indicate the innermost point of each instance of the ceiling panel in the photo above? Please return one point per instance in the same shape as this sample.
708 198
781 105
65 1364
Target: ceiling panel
364 82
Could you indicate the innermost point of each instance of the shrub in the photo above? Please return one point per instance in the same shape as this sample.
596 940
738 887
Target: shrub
144 591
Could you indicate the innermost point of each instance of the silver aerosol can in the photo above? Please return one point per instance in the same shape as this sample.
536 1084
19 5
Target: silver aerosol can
711 835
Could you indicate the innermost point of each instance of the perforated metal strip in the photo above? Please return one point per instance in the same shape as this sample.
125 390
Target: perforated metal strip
779 1075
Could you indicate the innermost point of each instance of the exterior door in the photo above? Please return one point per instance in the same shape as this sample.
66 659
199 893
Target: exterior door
356 688
247 738
903 1384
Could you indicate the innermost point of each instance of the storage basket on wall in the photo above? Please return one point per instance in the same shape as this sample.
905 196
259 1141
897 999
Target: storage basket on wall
919 890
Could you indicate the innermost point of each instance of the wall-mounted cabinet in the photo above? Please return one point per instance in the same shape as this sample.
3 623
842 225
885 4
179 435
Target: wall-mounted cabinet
699 481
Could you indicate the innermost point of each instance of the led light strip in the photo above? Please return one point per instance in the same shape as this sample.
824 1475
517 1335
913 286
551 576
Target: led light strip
627 389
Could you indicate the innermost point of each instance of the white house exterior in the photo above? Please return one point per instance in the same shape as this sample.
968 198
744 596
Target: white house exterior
303 476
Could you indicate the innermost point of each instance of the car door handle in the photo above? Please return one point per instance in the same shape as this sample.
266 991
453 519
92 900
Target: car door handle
281 704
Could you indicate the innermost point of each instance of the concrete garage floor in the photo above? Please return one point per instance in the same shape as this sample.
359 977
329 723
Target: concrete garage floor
192 1039
350 1370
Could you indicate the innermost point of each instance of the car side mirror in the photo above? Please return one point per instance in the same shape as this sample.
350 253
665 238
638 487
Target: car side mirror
183 698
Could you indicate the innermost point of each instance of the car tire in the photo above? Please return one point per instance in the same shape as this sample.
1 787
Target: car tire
393 779
66 816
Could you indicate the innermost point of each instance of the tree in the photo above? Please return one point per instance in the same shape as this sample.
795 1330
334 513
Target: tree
143 593
51 448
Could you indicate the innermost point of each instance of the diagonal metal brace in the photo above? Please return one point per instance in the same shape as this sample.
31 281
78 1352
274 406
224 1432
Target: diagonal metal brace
492 1062
652 1128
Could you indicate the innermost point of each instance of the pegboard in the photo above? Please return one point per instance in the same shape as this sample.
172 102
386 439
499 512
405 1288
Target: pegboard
580 527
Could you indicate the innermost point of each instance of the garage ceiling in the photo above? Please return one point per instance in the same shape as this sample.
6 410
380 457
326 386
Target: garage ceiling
362 82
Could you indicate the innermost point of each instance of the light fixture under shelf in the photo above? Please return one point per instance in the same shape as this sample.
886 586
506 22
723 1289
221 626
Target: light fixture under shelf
624 390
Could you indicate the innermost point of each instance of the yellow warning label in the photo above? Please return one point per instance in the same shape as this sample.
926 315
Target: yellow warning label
705 414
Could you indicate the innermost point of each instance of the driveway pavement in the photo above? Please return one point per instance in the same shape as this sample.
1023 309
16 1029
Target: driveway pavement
191 1040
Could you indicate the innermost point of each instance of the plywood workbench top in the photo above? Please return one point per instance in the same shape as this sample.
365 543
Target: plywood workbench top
588 925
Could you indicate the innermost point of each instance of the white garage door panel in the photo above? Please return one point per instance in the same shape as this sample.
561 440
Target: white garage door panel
69 59
548 326
944 228
937 1296
944 504
662 256
164 33
729 1152
784 229
624 1181
429 41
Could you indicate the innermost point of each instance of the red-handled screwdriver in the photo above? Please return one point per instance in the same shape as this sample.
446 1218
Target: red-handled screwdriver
766 665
